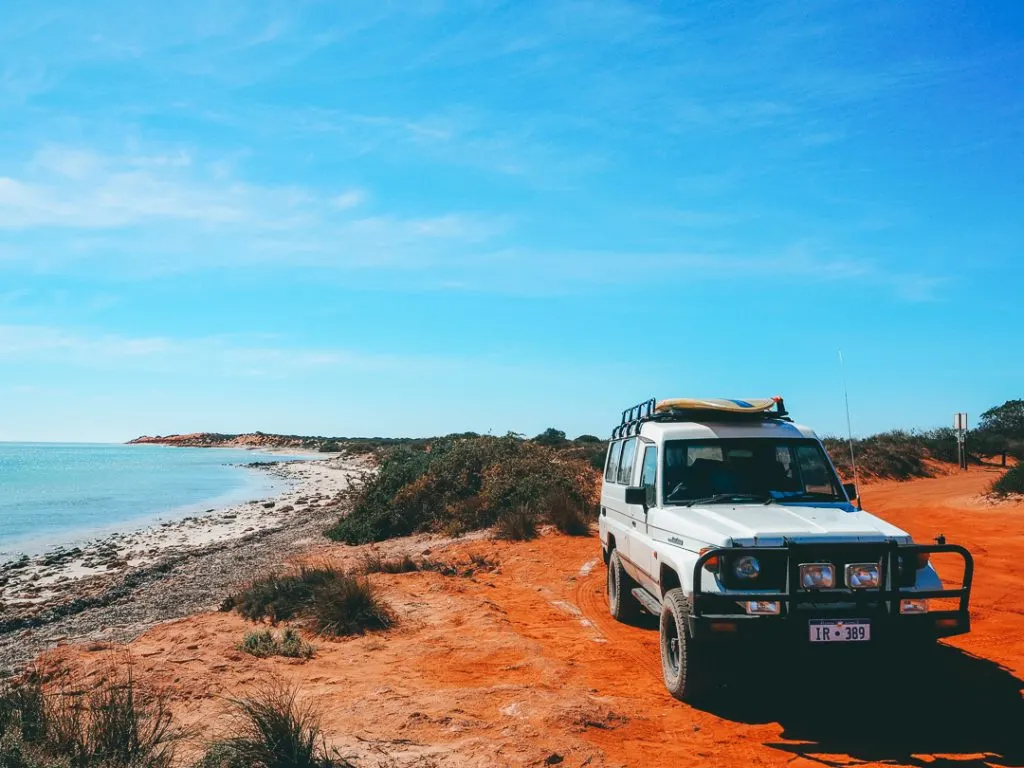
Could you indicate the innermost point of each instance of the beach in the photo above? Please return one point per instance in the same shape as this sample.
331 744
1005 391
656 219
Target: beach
114 587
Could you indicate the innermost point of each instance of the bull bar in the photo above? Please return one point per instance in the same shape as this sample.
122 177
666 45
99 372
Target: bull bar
706 607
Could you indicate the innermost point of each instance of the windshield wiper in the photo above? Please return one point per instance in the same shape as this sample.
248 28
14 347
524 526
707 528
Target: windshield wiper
718 498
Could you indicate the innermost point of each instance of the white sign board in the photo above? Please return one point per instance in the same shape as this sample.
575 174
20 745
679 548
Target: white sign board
960 422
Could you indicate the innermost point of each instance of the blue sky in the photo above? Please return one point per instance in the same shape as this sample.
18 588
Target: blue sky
406 218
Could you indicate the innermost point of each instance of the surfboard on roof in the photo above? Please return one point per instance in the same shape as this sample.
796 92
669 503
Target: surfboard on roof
756 405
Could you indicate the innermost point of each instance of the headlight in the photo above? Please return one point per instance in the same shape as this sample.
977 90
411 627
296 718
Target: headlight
817 575
862 575
746 567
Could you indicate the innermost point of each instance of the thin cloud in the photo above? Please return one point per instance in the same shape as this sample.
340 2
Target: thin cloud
221 354
72 188
349 199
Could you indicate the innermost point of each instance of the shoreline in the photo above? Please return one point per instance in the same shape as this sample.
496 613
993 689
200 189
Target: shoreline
92 591
259 486
248 483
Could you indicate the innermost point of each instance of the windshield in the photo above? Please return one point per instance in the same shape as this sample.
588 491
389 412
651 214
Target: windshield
745 469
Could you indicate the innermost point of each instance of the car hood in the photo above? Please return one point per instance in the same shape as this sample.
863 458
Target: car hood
769 524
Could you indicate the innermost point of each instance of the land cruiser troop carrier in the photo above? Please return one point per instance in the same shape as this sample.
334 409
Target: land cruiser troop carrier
728 521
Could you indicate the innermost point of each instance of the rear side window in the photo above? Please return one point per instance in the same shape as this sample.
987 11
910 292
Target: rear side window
650 471
612 469
626 461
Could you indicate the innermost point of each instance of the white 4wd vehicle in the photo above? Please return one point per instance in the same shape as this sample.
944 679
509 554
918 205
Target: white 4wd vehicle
729 522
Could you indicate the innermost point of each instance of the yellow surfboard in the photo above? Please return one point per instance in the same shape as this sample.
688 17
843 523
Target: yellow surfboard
758 405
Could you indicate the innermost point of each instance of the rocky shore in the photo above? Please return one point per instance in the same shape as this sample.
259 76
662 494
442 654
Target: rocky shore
247 440
116 587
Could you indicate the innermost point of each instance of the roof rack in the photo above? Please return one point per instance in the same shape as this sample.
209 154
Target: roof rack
633 418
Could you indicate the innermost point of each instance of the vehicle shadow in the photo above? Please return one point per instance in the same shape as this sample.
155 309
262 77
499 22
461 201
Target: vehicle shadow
960 705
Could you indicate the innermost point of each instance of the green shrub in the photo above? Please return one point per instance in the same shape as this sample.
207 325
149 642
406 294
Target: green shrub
461 484
1011 482
336 602
109 726
516 524
372 518
551 436
264 643
260 644
273 729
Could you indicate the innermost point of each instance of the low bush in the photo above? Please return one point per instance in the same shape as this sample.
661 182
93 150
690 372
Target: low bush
1011 482
568 515
516 524
897 454
273 729
476 563
279 597
349 606
901 455
374 563
112 725
264 643
462 484
336 602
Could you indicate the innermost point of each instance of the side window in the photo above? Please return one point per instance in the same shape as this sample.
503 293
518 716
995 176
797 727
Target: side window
612 469
649 475
626 461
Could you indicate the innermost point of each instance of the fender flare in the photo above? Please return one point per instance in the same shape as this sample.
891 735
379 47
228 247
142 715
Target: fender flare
679 562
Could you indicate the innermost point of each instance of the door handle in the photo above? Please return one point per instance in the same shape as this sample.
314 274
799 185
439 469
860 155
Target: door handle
634 523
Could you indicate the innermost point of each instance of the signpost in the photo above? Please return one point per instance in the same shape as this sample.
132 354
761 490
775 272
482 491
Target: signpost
960 426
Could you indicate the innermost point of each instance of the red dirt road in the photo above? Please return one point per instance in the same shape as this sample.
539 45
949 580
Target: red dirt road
521 665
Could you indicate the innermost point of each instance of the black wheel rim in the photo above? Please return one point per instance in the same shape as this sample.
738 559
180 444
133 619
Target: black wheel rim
671 642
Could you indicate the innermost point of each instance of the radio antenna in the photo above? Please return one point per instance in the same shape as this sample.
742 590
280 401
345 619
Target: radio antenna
849 428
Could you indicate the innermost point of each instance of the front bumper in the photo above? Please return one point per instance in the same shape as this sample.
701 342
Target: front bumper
713 614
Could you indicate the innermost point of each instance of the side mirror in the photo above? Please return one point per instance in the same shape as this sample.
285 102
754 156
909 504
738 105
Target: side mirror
637 495
851 491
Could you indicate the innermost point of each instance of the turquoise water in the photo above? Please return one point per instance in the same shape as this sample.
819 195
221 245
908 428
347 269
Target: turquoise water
64 493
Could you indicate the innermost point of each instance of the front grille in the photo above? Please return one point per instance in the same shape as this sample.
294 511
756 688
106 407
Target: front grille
773 565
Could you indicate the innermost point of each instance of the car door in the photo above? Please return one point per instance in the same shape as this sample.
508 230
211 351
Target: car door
641 549
613 500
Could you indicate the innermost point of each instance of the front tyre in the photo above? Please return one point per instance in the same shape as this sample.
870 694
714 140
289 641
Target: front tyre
684 662
621 603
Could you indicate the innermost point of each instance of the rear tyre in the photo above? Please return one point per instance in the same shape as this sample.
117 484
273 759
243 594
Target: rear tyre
684 661
621 603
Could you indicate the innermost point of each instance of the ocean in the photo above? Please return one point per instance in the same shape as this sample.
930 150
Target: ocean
53 494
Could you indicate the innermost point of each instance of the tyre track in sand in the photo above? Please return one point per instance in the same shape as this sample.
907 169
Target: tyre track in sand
638 644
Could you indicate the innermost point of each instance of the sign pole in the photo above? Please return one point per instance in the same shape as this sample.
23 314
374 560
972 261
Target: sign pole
960 426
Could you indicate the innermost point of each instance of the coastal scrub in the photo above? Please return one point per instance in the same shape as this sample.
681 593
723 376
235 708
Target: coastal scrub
54 722
1011 482
336 603
459 484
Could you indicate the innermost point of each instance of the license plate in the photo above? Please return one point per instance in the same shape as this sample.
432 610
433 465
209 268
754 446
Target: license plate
840 630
